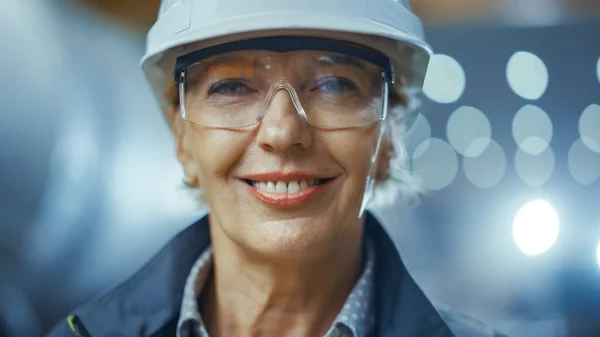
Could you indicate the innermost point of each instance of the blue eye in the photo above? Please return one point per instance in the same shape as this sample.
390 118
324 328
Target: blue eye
229 87
337 85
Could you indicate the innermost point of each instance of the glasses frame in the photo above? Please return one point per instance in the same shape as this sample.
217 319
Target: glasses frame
286 44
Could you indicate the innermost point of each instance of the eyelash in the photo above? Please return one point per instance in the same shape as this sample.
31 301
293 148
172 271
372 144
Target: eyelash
345 83
219 87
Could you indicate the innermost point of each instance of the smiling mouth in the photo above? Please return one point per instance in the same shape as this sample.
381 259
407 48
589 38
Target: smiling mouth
287 187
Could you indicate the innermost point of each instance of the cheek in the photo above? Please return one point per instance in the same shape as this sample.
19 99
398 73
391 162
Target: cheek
216 152
353 149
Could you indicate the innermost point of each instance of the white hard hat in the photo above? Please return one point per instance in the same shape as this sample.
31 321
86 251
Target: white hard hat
388 26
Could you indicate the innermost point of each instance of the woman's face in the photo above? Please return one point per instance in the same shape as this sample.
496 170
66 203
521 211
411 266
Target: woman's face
282 186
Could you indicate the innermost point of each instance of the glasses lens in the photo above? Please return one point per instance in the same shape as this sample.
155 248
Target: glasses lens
342 91
329 90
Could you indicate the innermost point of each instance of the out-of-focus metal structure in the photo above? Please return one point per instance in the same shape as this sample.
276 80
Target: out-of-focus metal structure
464 11
142 13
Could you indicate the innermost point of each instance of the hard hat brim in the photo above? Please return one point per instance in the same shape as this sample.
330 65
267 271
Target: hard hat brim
409 54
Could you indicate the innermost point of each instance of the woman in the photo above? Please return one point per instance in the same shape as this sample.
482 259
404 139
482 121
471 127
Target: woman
285 114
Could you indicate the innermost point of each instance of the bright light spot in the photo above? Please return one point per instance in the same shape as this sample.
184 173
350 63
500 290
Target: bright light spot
598 69
532 129
418 133
535 227
589 127
535 170
527 75
486 170
584 164
445 79
426 164
469 129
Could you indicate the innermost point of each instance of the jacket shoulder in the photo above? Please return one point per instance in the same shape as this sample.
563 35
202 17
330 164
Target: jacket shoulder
463 325
157 288
61 329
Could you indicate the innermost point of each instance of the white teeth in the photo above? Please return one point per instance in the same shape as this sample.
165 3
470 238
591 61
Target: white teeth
293 187
282 187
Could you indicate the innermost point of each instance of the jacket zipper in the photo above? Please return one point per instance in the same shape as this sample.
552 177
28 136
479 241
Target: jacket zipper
77 326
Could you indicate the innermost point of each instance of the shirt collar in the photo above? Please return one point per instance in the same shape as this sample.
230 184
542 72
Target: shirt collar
189 317
357 314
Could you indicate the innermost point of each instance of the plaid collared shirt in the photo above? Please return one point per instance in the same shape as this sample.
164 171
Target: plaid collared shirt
356 319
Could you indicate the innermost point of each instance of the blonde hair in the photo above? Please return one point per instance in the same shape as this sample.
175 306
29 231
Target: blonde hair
399 184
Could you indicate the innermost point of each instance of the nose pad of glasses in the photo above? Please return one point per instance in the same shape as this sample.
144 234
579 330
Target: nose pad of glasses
282 85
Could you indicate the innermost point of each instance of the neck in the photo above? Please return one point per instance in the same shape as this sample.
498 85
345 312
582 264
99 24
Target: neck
297 297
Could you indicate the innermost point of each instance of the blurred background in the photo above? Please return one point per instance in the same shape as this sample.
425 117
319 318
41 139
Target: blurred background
507 143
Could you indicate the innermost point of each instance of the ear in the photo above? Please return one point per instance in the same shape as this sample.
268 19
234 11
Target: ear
184 150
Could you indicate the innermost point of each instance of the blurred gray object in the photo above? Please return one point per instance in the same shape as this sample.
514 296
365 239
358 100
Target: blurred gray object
75 196
18 317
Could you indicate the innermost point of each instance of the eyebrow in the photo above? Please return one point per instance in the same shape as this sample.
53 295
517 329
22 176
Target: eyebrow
333 60
232 57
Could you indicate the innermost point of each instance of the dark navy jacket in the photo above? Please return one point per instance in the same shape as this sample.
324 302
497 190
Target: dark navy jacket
147 304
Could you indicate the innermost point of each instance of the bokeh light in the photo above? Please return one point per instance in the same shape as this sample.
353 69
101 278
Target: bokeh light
527 75
469 131
417 134
589 127
535 227
532 129
435 163
487 169
584 164
598 69
445 80
535 170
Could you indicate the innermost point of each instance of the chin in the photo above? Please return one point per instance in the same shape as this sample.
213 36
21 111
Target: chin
290 238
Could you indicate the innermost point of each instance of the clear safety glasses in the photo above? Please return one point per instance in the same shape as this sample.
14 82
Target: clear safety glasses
330 84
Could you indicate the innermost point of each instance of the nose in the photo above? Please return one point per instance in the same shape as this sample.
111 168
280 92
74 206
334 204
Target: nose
282 128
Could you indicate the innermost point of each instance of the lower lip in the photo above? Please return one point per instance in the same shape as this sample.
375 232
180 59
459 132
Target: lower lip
289 200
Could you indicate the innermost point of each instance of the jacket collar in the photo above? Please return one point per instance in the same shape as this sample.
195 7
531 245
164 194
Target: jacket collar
402 309
151 298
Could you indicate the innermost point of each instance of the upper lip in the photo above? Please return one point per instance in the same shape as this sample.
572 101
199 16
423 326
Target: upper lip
284 176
